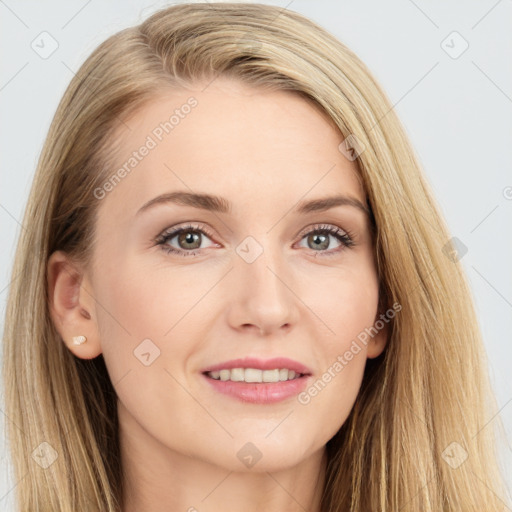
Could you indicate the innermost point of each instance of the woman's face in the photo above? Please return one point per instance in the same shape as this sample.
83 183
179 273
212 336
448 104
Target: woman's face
266 277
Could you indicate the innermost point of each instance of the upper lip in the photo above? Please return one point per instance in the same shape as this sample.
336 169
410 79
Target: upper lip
261 364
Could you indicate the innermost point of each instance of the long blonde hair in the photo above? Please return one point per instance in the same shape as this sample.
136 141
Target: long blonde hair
423 403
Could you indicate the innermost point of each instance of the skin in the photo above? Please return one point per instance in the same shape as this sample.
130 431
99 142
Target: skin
264 152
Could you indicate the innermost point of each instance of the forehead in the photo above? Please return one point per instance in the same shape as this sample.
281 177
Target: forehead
232 140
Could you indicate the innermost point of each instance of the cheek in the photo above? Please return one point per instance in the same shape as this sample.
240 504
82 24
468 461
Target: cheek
352 313
344 300
148 300
347 306
147 310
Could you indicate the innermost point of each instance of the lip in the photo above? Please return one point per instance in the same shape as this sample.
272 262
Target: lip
260 364
260 392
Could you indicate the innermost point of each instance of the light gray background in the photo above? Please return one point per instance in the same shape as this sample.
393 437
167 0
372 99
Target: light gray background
457 111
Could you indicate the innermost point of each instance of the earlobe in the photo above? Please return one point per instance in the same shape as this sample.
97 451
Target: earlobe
72 306
378 342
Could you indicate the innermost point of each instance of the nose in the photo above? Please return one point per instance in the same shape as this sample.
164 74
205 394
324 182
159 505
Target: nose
263 299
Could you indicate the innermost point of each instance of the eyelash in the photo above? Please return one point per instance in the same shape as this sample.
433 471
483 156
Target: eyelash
344 236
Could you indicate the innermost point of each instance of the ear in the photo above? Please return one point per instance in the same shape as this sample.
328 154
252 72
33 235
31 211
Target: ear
378 342
72 305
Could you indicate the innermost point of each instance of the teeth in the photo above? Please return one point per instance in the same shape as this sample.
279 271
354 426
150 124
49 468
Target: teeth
271 376
237 374
254 375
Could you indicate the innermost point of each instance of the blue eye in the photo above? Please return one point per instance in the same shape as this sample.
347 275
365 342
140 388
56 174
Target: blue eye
190 238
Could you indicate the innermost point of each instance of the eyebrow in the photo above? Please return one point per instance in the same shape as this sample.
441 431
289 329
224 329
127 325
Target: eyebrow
219 204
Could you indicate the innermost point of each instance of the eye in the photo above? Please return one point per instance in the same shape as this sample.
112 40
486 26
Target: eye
187 238
319 239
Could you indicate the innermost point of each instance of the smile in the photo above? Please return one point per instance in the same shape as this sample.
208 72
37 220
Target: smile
258 381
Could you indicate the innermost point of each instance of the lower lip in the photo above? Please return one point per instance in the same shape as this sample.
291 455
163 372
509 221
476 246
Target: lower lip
259 392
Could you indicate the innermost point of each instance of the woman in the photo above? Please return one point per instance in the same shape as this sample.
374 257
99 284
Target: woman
235 288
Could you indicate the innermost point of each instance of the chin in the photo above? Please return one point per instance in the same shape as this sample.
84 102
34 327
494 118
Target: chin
267 455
